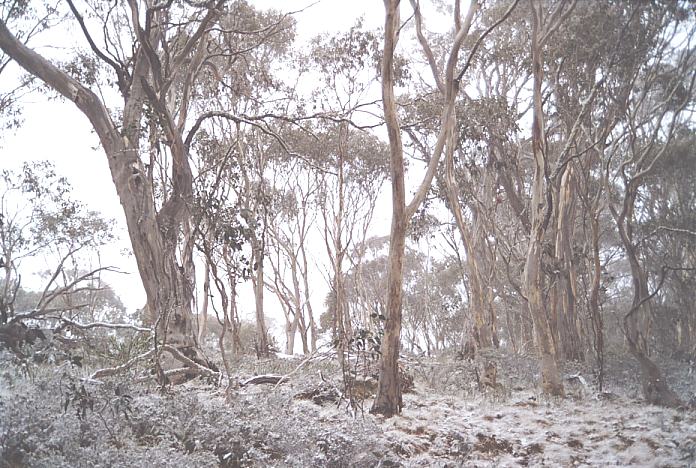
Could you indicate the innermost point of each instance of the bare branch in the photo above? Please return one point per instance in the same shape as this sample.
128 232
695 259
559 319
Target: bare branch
663 276
672 229
557 18
118 68
426 47
253 122
483 36
263 379
56 272
109 371
190 363
450 95
113 326
38 314
68 288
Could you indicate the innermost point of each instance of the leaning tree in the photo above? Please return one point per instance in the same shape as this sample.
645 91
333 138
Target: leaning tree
152 56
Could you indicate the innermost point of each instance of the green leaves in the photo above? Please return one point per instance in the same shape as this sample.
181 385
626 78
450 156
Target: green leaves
41 212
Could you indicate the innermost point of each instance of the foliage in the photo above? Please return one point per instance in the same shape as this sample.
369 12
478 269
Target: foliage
40 217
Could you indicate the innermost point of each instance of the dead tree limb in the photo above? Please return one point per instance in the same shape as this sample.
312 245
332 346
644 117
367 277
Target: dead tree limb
114 326
109 371
192 365
263 379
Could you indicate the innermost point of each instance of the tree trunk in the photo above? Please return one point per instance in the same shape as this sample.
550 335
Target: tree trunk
203 314
595 312
484 331
388 400
533 279
564 291
342 325
636 323
308 303
237 348
304 330
540 208
257 282
290 331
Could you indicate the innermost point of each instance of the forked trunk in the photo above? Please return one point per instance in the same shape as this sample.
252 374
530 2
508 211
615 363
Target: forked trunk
655 388
388 400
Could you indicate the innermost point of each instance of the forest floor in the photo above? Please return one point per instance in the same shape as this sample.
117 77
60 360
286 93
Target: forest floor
51 418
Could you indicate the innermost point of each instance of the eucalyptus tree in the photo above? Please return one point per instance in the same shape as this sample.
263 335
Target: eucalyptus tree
590 111
240 96
658 107
666 227
28 19
388 400
152 56
592 114
586 89
219 234
294 208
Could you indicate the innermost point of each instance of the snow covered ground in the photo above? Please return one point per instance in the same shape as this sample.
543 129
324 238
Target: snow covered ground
447 421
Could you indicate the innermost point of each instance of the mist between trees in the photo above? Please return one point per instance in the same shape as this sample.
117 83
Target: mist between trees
539 157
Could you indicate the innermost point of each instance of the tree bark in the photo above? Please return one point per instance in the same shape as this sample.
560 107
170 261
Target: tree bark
595 312
389 400
636 323
203 314
564 291
533 277
262 349
484 333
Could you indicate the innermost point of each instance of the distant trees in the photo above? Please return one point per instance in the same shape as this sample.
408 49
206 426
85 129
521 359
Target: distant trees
433 304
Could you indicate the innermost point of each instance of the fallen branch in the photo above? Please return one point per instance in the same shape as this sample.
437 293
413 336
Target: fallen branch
263 379
38 314
118 369
189 362
187 371
299 366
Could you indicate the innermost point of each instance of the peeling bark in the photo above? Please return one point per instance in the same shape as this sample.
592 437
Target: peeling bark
540 210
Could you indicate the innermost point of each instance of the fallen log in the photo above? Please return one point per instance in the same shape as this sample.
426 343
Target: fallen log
263 379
